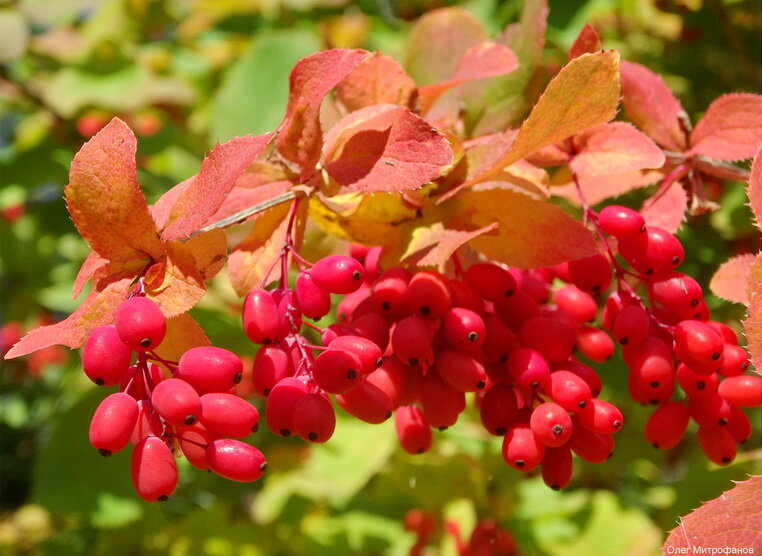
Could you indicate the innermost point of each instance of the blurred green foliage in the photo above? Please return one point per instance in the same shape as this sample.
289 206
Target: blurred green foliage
189 73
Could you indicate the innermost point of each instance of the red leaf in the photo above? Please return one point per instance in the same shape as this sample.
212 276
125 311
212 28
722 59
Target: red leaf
667 210
532 233
385 148
734 520
614 148
434 245
600 188
104 200
206 191
754 191
731 280
587 41
652 107
96 310
378 80
731 129
483 60
438 40
300 136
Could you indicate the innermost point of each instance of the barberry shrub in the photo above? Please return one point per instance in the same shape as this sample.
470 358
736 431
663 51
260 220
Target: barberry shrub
460 282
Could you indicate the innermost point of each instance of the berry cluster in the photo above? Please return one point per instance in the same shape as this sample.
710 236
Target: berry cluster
487 537
192 411
671 342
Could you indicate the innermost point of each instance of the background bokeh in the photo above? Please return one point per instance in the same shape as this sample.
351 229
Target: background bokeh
187 74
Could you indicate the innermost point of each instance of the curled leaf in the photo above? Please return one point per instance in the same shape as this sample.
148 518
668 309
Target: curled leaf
586 42
435 244
385 148
175 283
104 199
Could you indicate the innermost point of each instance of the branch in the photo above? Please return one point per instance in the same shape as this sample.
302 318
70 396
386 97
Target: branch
725 170
242 216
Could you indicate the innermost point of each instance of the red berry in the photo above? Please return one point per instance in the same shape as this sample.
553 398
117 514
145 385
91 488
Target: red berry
499 409
337 371
693 383
529 369
367 402
718 444
411 340
735 360
390 292
147 424
105 358
176 401
742 390
400 382
313 417
553 339
551 424
235 460
522 450
113 422
193 441
312 301
677 292
595 344
263 321
491 281
374 327
461 370
569 391
585 372
699 345
210 369
338 274
366 351
413 430
591 274
577 303
517 309
154 473
499 341
654 253
667 425
466 296
601 417
279 408
631 326
591 446
140 323
228 415
621 222
271 365
441 403
557 467
739 425
428 294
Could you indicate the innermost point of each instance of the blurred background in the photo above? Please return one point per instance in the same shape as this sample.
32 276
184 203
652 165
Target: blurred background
187 74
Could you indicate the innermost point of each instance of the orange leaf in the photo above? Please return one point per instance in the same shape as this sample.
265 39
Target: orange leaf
532 233
587 41
104 200
434 245
731 129
753 323
651 106
754 190
92 264
614 148
251 260
209 188
385 148
378 80
583 94
209 250
96 310
312 78
667 211
183 333
731 280
181 284
483 60
600 188
438 40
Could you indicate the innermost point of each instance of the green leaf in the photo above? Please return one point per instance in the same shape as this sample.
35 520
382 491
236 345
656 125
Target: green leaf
253 96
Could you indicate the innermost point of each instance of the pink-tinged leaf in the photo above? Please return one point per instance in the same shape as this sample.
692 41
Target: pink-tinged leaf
583 94
586 42
300 135
242 198
385 148
435 244
183 333
253 262
753 323
731 280
209 188
600 188
378 80
92 264
731 521
438 40
531 234
754 190
483 60
209 250
614 148
651 106
731 129
105 201
175 283
667 211
162 209
96 310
